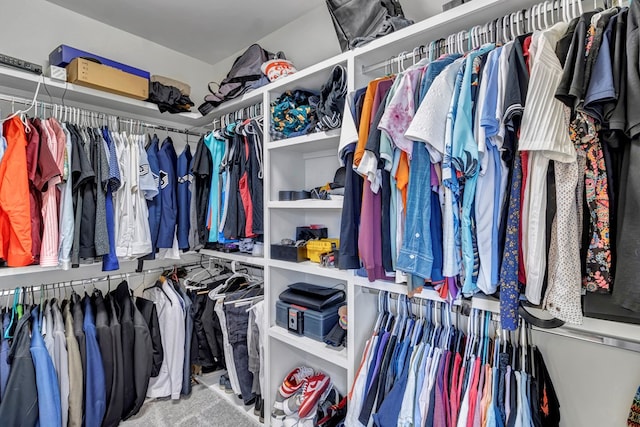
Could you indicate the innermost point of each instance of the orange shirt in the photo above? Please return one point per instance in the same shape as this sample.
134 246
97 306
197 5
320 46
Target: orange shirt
365 119
15 218
402 178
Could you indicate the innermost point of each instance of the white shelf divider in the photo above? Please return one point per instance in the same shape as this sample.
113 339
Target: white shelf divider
308 267
306 204
318 141
234 256
335 356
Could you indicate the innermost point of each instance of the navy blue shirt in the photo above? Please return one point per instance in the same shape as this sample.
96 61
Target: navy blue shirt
184 197
154 204
110 260
167 160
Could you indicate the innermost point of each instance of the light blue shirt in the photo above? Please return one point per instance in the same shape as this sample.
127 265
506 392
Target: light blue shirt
50 412
216 147
464 152
416 255
488 196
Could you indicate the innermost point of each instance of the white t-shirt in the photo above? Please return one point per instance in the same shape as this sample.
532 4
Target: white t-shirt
142 184
544 143
430 120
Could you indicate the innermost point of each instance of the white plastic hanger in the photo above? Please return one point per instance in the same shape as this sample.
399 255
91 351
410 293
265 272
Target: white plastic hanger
545 6
460 42
565 12
578 8
505 35
530 13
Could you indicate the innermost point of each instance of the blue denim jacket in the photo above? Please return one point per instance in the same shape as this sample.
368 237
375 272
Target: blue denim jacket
416 255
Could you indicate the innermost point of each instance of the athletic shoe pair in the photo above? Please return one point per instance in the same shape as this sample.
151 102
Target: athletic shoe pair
298 397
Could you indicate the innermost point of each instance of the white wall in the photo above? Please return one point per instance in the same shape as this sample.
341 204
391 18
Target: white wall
595 383
36 27
305 41
31 29
311 38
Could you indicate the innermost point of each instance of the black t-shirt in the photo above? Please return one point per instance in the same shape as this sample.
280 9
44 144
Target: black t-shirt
234 226
595 47
615 111
515 97
202 169
88 220
571 89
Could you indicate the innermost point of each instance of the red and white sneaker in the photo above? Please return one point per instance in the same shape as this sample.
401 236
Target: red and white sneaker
294 381
315 389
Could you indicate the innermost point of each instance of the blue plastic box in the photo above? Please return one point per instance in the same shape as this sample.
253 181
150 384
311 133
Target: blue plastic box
63 55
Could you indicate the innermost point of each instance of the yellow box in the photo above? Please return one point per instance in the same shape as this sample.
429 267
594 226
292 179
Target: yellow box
315 248
97 76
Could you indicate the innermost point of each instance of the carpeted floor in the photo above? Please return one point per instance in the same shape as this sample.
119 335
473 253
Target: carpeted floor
205 407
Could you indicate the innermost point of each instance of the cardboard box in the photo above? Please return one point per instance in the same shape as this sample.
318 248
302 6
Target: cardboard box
97 76
63 55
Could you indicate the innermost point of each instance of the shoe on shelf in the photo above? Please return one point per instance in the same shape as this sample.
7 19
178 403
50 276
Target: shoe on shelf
294 380
315 390
291 405
332 409
277 417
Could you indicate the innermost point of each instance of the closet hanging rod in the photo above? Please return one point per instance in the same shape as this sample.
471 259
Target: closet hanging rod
101 115
523 19
249 112
93 280
564 331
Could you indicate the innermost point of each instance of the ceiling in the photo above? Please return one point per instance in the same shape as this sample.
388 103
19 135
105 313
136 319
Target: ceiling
195 27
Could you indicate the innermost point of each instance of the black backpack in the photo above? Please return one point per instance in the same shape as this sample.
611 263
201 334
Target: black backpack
245 74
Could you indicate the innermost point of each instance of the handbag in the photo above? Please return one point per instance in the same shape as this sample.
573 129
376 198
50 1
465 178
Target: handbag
311 296
361 19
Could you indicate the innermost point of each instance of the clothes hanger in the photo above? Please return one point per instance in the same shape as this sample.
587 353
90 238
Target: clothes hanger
579 10
542 16
513 20
469 340
460 38
565 15
415 53
437 335
505 35
159 284
399 325
487 340
447 45
471 39
449 325
14 313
